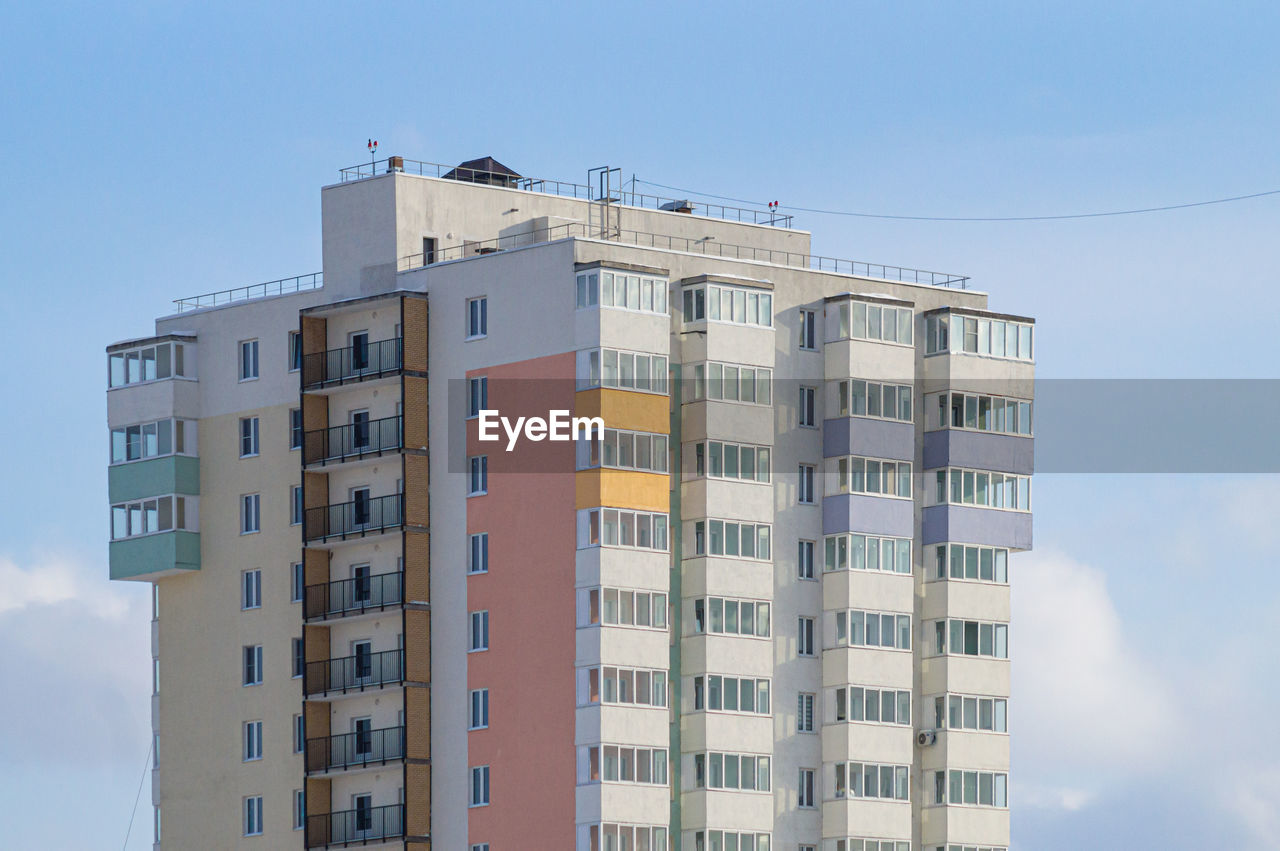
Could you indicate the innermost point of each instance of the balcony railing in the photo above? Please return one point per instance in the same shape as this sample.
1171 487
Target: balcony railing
565 189
355 519
352 596
687 244
355 440
361 672
359 826
301 283
351 363
355 750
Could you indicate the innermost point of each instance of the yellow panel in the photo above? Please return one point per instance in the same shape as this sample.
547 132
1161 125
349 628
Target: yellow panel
626 409
624 489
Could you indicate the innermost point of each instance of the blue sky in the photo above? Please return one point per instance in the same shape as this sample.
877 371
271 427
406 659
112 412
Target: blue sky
157 150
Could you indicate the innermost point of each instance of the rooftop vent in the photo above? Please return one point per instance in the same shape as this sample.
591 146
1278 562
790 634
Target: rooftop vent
678 206
485 170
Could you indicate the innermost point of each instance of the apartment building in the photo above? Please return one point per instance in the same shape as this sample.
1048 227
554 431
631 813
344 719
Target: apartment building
766 608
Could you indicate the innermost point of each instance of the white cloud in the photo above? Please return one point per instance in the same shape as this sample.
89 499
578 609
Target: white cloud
1082 695
42 585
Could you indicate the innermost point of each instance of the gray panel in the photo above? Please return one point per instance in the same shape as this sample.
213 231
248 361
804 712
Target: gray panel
870 437
978 450
988 526
879 515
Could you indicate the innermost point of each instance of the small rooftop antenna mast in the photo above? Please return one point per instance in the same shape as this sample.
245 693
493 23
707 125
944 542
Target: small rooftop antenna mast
373 153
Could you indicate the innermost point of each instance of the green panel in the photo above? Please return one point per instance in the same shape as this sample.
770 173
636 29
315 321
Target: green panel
154 477
153 556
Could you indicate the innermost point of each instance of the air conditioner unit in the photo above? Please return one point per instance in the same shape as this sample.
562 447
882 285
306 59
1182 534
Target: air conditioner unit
926 737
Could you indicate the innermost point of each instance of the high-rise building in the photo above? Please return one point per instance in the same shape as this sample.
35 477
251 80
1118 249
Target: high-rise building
766 608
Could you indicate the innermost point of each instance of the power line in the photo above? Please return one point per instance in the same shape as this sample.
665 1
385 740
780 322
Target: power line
138 796
973 218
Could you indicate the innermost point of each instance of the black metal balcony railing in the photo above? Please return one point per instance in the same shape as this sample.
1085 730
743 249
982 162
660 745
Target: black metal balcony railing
351 596
351 363
355 519
361 825
360 672
355 440
355 750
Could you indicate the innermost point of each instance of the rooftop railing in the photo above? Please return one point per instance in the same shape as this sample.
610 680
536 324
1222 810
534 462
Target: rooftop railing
301 283
706 245
565 189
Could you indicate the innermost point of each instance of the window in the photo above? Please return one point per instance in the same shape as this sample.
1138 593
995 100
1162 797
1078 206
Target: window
297 583
746 772
983 413
626 292
717 693
150 363
729 382
805 712
252 740
251 589
253 816
876 476
971 712
968 562
250 517
624 450
162 514
804 490
873 705
295 508
624 764
155 676
734 461
731 538
616 527
477 320
428 250
248 436
715 840
478 553
153 440
972 788
477 395
868 552
623 370
888 630
299 734
860 398
804 560
622 607
479 786
868 780
248 360
295 351
971 638
719 615
806 790
806 413
295 428
479 709
996 338
808 330
880 845
479 631
477 475
804 645
628 686
736 305
299 809
480 846
299 657
252 665
982 488
611 837
866 321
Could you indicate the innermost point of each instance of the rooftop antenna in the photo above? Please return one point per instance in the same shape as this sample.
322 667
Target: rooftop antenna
373 153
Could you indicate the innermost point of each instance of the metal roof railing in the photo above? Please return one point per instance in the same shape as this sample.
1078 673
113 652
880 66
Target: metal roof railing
565 189
710 247
301 283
